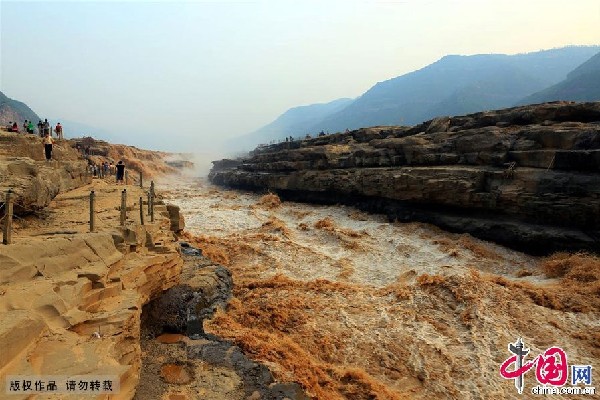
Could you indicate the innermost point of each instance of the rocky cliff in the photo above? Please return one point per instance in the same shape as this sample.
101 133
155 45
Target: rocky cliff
527 177
150 163
71 301
34 181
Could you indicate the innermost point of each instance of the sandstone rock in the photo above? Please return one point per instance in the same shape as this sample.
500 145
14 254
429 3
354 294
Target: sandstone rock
177 221
225 164
36 183
182 308
19 330
71 303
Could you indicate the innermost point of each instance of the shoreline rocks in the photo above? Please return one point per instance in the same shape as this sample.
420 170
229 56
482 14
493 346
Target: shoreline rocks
526 177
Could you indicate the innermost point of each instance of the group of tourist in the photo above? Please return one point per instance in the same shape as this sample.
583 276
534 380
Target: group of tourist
45 132
43 128
106 168
307 136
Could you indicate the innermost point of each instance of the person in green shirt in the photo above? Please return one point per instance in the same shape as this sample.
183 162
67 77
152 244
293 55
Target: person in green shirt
30 127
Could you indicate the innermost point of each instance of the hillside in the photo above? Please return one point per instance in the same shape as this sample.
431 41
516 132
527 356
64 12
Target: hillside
294 122
453 85
457 85
582 84
84 289
13 110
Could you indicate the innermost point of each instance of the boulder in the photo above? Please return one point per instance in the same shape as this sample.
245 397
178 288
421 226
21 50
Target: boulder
177 221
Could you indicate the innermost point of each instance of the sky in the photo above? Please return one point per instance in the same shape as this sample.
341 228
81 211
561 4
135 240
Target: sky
184 76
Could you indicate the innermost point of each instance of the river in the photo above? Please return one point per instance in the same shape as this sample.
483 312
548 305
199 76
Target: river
352 306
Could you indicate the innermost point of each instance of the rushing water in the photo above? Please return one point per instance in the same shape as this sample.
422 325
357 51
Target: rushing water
352 306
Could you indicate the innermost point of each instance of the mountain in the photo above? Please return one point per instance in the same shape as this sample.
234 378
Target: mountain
297 121
502 87
582 84
457 85
13 110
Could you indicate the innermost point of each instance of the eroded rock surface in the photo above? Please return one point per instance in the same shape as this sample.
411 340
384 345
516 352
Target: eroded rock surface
182 308
527 177
74 305
71 300
176 218
182 361
34 181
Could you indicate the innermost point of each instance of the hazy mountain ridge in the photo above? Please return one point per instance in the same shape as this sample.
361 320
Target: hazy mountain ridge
294 122
453 85
13 110
502 87
420 95
581 84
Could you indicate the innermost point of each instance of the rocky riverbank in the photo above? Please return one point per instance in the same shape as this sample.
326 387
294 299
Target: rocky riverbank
120 301
526 177
35 182
70 299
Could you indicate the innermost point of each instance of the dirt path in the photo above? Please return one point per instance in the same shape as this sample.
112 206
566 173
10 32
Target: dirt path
351 306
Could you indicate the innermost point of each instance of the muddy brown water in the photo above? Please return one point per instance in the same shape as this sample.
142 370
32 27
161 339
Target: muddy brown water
353 307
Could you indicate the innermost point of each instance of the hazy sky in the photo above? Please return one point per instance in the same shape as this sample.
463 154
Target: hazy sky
184 75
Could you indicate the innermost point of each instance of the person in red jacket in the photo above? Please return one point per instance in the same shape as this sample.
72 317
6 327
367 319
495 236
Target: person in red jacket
59 130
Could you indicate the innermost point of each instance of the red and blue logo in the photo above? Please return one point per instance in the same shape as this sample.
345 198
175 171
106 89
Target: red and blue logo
551 371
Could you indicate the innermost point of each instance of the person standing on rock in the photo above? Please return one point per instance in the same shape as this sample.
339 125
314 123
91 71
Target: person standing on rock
46 127
59 131
120 172
40 126
30 127
48 142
